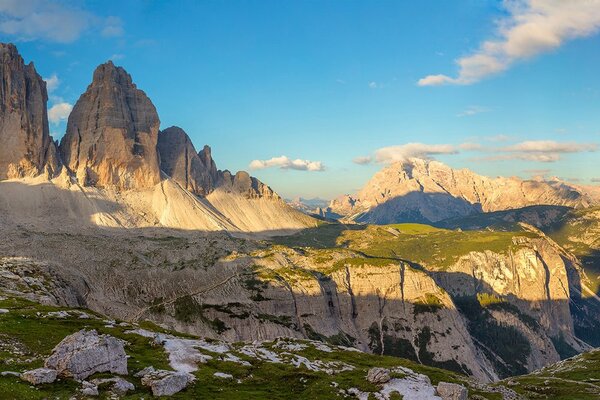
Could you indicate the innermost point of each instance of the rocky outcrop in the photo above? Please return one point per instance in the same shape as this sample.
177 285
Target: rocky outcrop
39 376
378 375
84 353
452 391
25 144
166 383
112 133
429 191
196 172
246 185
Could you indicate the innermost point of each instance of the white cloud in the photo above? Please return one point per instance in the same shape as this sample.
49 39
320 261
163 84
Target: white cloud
537 151
52 83
113 27
550 146
36 19
52 21
473 110
533 27
283 162
470 146
59 112
390 154
116 57
362 160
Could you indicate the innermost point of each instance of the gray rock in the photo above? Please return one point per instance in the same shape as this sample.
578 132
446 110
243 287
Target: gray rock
10 373
84 353
378 375
39 376
88 389
120 386
452 391
25 144
144 372
167 383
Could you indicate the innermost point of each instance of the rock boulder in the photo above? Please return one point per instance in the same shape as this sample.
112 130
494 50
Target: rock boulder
166 383
39 376
84 353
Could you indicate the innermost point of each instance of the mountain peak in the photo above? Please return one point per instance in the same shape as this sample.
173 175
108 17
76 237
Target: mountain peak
24 135
112 133
419 190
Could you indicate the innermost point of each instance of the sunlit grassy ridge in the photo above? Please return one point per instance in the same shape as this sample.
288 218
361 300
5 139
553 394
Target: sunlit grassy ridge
416 243
576 378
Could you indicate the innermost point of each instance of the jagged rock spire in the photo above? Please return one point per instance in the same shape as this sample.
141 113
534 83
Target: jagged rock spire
112 133
25 144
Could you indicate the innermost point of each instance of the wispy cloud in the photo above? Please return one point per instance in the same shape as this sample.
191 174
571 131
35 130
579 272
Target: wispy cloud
116 57
404 152
472 110
545 151
113 27
60 22
362 160
284 162
536 150
52 83
59 112
532 28
596 180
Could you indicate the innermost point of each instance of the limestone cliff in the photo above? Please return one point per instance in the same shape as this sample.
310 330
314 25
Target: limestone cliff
112 133
429 191
25 144
196 172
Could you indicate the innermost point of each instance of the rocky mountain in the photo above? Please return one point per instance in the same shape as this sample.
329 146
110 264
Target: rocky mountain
197 172
429 191
194 171
111 158
112 133
26 147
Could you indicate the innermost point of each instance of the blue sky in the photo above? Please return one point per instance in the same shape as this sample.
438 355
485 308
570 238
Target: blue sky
502 88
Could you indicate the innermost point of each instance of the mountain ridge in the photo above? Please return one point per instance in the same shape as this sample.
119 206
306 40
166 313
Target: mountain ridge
428 191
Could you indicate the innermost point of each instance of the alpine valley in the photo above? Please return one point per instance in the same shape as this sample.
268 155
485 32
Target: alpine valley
131 266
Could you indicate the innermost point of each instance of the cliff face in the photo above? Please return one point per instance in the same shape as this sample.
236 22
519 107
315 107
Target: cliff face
488 313
196 172
25 145
429 191
112 133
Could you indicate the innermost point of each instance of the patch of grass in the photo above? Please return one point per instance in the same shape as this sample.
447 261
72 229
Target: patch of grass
429 303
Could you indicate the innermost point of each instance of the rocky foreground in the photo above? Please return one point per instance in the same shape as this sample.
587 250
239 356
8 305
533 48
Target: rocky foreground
65 353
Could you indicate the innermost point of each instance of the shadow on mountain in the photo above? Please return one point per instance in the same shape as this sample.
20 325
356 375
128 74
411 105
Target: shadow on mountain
190 281
541 216
419 207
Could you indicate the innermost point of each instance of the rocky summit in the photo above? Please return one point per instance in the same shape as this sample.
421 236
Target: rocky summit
25 144
112 133
428 191
196 172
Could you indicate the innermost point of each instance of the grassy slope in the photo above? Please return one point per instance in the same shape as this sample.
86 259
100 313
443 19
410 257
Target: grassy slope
26 328
416 243
573 379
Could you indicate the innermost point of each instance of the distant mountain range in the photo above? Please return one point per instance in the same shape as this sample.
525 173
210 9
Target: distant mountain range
429 191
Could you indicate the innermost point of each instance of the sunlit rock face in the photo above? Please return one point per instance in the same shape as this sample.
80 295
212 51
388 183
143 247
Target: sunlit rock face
112 133
427 191
25 145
